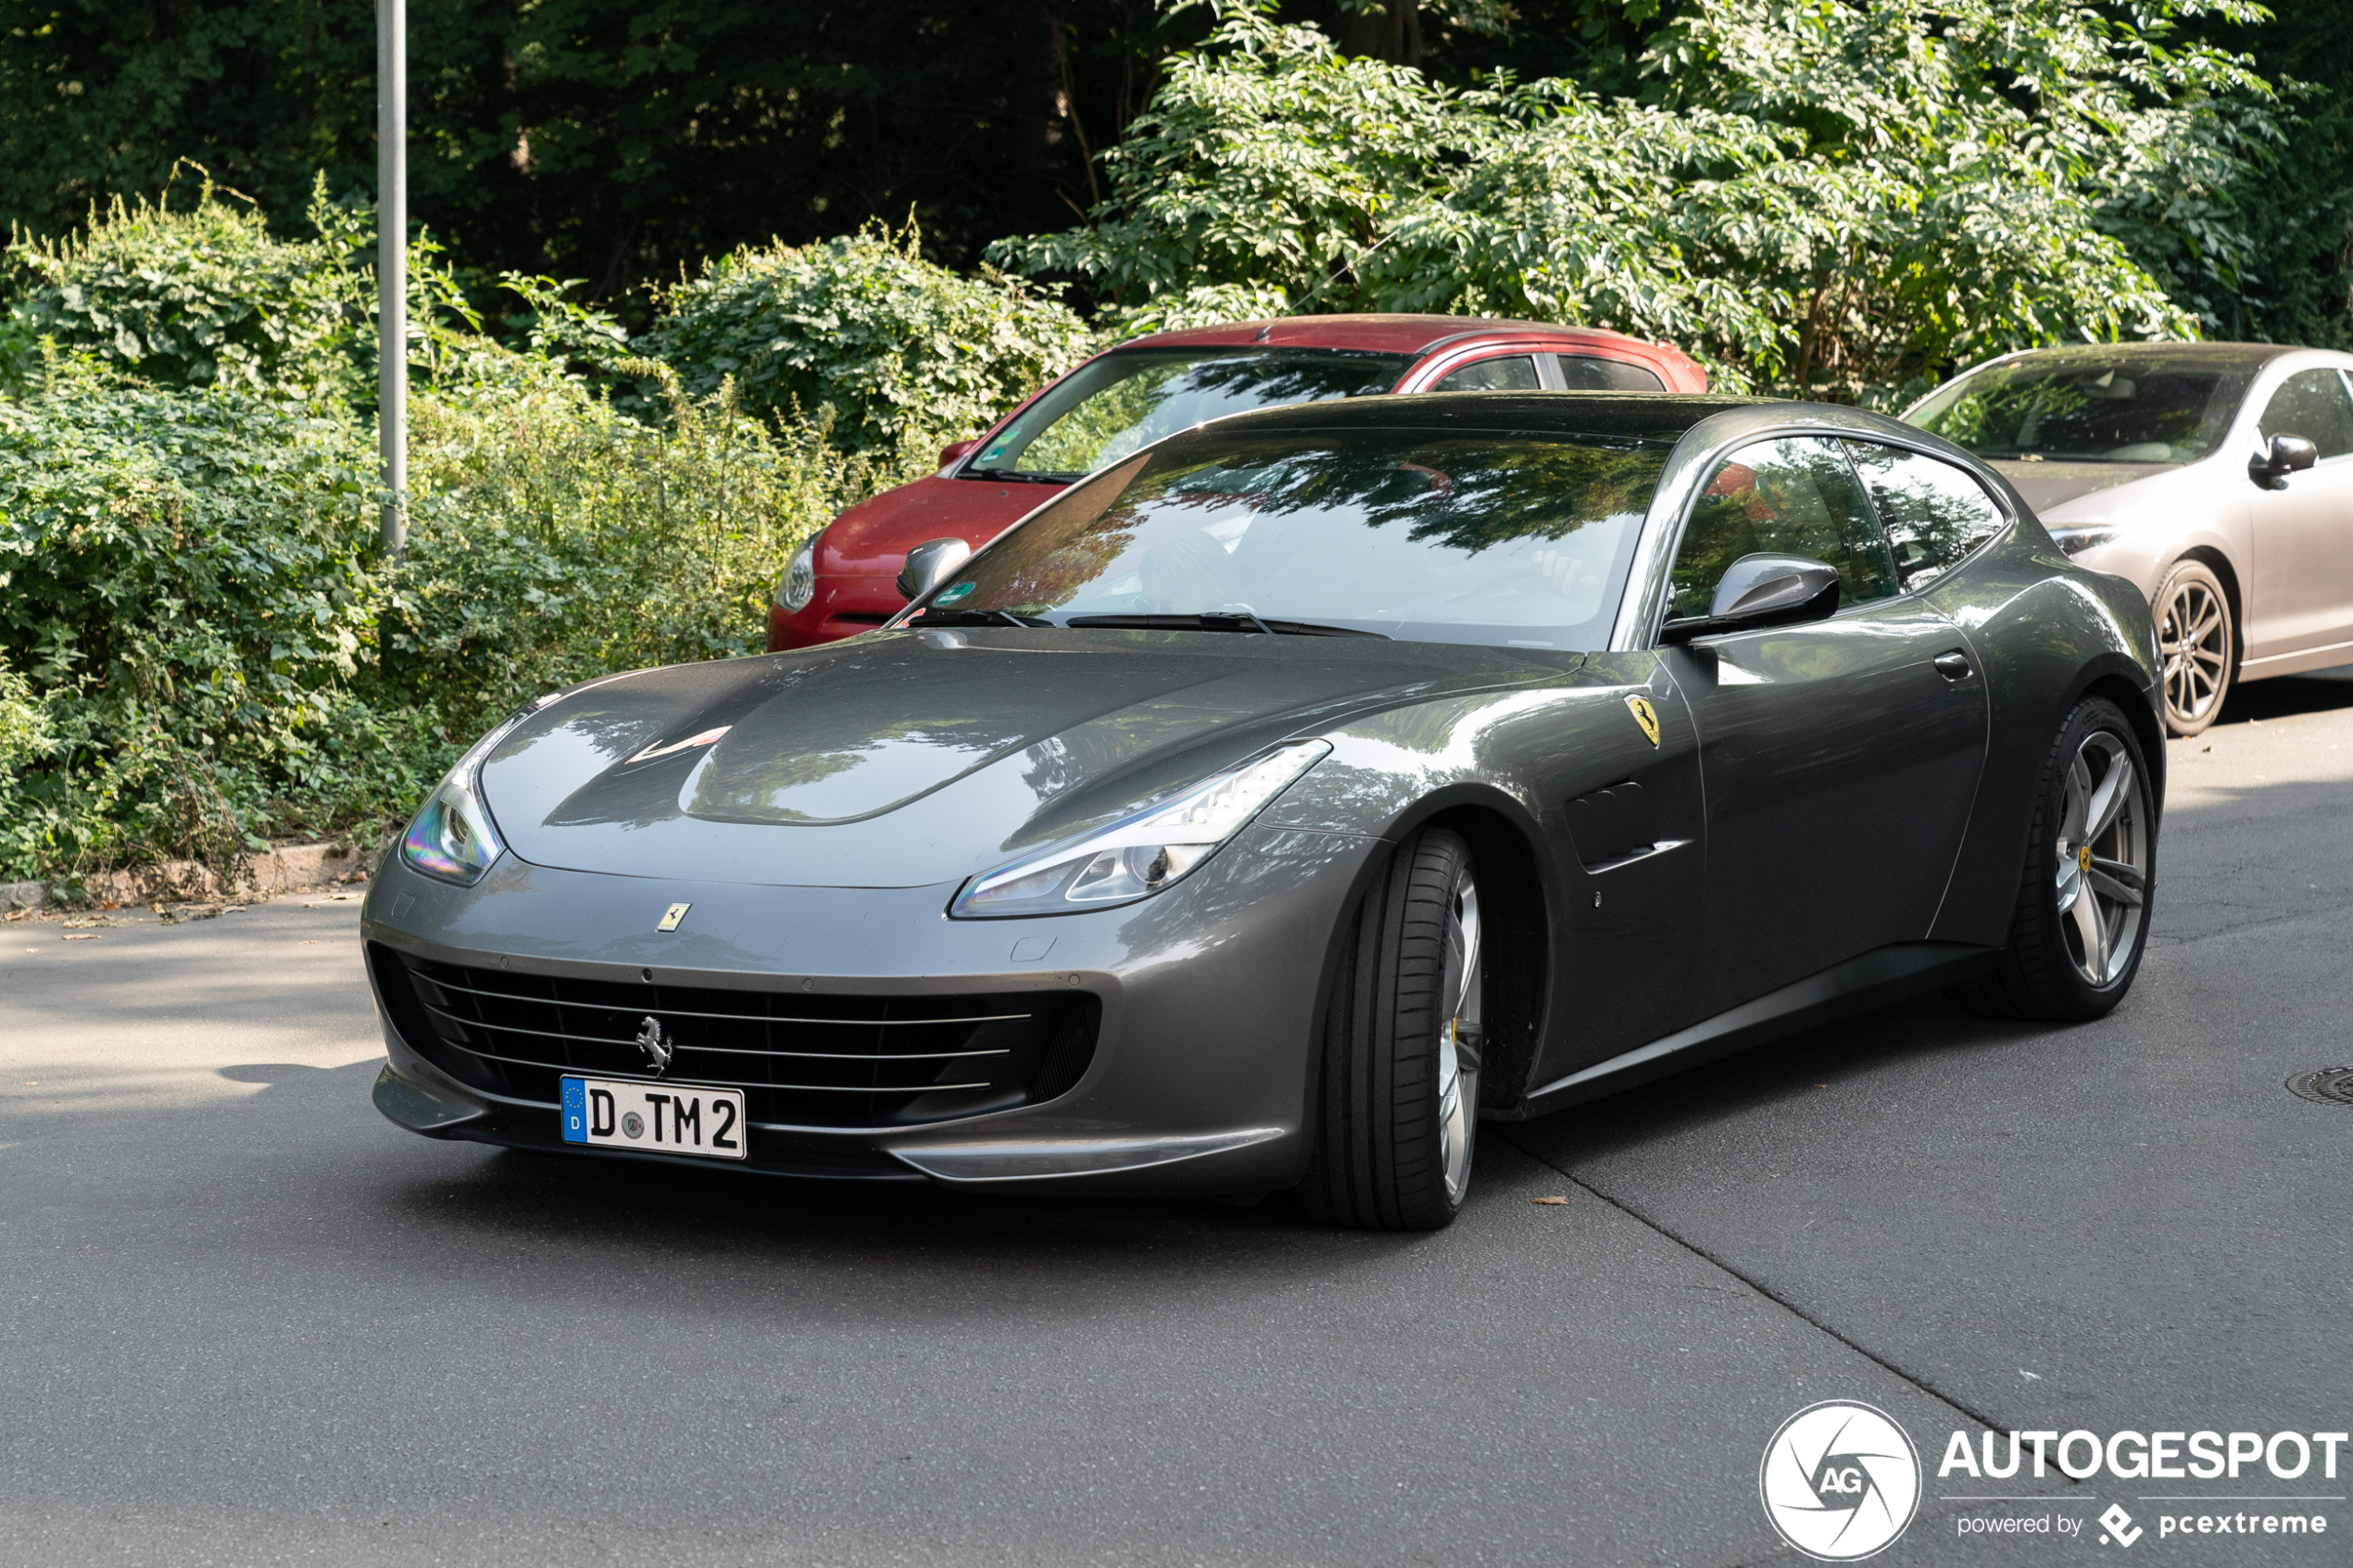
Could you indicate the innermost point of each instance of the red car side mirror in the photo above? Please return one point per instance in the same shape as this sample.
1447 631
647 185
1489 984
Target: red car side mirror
954 452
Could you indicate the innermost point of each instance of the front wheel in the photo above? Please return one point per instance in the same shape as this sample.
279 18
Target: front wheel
2194 636
2082 917
1397 1103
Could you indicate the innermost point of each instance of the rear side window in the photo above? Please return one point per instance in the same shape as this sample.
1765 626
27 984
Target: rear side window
2313 404
1934 513
1798 497
1511 373
1582 372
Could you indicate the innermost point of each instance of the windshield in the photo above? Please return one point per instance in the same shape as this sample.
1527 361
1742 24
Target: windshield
1414 533
2085 406
1127 400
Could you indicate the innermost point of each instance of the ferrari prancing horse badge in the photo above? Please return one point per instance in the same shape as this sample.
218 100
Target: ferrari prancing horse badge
1644 715
672 916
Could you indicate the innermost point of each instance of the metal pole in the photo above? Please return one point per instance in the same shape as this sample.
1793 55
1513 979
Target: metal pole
392 265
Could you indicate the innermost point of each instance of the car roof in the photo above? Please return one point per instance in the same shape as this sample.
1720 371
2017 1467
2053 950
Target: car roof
1622 416
1414 336
2228 355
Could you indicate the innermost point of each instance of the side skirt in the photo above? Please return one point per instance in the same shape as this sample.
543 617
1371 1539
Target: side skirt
1883 975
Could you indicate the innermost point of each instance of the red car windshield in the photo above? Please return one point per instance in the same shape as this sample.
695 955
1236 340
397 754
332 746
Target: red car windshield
1131 397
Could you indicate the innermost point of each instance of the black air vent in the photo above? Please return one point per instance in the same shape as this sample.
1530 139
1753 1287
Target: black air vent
802 1059
1610 825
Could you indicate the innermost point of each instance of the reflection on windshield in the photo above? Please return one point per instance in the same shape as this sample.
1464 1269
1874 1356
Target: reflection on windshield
2090 407
1126 401
1410 534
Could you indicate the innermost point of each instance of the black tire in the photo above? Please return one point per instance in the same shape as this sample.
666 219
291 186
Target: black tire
1381 1155
2199 638
2044 974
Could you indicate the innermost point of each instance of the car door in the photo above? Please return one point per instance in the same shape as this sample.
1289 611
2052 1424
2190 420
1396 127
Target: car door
2303 526
1840 757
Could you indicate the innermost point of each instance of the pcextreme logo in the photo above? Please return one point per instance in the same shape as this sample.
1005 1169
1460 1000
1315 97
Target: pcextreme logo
1840 1481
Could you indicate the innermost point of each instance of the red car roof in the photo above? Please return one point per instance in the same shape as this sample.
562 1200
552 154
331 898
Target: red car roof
1388 335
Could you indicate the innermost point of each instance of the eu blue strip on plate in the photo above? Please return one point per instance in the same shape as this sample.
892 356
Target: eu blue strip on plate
575 1110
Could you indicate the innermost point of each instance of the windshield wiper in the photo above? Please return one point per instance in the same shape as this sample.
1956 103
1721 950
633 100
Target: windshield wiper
1016 475
975 618
1220 621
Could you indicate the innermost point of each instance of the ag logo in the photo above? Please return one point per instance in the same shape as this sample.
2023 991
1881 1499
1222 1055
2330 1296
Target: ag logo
1840 1481
1644 715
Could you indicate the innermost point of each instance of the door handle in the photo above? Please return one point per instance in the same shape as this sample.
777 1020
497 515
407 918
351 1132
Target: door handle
1953 666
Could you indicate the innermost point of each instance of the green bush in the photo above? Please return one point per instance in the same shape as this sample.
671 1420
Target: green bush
901 350
200 649
185 583
201 296
552 539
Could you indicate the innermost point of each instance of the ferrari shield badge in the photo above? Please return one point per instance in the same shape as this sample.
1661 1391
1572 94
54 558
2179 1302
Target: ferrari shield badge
676 912
1644 715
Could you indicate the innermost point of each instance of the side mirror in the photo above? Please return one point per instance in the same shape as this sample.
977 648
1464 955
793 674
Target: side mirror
929 564
955 451
1763 590
2289 454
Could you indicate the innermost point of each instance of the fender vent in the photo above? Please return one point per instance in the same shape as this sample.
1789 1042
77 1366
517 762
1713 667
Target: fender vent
1610 825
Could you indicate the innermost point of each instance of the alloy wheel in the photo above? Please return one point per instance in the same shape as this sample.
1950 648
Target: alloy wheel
1459 1043
2103 856
2194 637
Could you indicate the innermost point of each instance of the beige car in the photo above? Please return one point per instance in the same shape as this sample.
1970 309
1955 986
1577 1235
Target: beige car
2217 476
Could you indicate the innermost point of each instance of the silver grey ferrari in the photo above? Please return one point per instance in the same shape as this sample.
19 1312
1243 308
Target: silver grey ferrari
1263 810
2217 476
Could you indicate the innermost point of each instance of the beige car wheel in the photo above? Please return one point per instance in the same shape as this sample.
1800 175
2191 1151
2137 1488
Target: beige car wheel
2195 640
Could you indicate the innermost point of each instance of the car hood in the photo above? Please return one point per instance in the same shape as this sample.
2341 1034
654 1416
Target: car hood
904 758
2048 486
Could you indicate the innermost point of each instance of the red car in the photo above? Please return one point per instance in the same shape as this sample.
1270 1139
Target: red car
847 578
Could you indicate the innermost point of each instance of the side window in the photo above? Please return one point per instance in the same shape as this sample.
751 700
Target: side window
1513 373
2313 404
1799 496
1934 514
1582 372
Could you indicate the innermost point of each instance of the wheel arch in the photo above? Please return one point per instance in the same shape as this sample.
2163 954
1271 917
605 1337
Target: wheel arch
2148 727
2214 559
1516 908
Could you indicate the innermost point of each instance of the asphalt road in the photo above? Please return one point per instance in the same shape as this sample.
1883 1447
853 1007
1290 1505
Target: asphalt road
245 1320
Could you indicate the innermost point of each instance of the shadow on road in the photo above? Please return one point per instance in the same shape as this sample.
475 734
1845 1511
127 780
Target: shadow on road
2285 697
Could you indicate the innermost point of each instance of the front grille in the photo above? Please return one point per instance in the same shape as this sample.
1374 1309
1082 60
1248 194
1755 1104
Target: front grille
801 1059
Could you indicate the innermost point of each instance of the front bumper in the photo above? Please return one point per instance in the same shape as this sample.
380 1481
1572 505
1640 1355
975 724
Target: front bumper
1209 1000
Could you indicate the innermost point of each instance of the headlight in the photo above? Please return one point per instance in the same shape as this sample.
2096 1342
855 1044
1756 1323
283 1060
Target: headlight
799 585
453 837
1136 857
2075 541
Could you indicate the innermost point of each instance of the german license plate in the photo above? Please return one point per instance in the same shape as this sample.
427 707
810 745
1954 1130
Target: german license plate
654 1118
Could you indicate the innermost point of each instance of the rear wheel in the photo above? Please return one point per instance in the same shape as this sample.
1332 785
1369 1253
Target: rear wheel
1396 1105
2082 917
2194 638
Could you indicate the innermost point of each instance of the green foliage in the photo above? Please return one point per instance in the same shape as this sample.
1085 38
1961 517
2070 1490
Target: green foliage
863 325
24 724
617 141
201 649
202 297
1843 199
185 583
553 539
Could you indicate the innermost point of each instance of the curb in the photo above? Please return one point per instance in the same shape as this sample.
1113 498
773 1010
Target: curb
281 871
